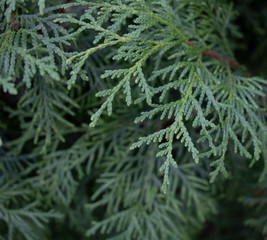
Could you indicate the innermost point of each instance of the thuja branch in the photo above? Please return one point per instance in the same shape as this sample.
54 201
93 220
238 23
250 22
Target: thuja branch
214 55
181 35
132 72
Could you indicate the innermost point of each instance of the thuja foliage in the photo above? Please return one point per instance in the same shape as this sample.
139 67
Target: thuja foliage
130 119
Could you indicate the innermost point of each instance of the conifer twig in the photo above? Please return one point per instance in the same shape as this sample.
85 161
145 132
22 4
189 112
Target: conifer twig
214 55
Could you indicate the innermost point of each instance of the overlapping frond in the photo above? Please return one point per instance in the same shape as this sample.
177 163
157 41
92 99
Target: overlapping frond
139 206
221 103
21 220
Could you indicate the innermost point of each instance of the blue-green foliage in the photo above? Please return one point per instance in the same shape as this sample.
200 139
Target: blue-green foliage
49 103
258 218
114 117
217 99
29 55
36 43
138 210
7 6
21 220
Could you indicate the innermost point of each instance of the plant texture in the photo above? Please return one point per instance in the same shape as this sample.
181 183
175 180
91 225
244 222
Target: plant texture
130 119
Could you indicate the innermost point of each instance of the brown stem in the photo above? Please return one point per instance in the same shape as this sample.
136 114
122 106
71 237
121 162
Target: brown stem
12 18
15 26
214 55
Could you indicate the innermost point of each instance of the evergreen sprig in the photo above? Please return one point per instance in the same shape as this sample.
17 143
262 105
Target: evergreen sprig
118 117
214 97
21 220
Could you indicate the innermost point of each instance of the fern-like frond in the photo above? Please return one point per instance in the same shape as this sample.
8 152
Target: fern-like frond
22 220
45 105
212 97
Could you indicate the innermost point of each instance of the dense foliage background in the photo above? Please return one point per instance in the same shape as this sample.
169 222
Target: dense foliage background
63 179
